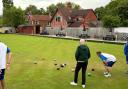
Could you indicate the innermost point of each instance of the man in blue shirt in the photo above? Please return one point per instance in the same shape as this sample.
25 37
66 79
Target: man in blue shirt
4 50
126 53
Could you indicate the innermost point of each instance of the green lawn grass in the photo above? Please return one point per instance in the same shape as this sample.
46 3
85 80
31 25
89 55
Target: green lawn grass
24 74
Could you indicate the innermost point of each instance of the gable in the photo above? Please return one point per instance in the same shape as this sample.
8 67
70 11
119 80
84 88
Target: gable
58 16
91 16
65 13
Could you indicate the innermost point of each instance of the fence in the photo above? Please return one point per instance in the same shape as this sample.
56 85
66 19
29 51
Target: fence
121 33
122 36
76 32
98 32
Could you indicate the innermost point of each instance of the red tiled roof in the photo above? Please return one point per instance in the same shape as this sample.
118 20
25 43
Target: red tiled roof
69 13
93 24
82 12
75 24
66 13
39 17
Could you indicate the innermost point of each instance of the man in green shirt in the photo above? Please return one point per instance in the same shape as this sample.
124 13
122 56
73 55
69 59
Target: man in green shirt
82 55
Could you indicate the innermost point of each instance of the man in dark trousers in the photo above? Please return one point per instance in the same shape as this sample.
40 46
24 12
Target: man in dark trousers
82 55
126 54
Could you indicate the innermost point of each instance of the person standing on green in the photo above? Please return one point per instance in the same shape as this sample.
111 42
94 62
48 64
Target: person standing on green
126 54
4 64
82 56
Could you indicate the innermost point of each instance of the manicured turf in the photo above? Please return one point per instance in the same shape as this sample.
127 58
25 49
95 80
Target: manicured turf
27 50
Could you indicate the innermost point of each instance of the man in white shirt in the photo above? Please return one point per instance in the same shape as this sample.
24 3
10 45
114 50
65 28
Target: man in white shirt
4 50
108 61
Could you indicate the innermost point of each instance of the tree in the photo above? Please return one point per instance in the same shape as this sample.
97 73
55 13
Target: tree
116 10
75 6
42 11
1 20
6 16
7 3
18 17
33 10
51 9
14 17
60 5
100 12
123 12
110 21
112 8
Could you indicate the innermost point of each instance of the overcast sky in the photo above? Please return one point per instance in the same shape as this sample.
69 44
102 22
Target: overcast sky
86 4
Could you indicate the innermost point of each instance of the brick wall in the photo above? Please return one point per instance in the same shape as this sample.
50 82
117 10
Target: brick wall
62 23
26 30
90 17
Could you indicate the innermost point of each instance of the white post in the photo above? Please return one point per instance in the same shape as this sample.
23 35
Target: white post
116 38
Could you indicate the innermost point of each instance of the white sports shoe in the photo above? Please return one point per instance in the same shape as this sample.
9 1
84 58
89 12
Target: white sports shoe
73 83
83 86
108 75
105 73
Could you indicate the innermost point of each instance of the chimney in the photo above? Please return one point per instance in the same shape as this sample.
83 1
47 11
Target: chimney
69 5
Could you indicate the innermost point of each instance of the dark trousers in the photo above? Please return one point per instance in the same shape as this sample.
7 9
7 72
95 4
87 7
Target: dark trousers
80 65
127 59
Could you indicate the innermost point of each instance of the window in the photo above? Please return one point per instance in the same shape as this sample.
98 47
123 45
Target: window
77 19
49 24
32 22
37 22
58 18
